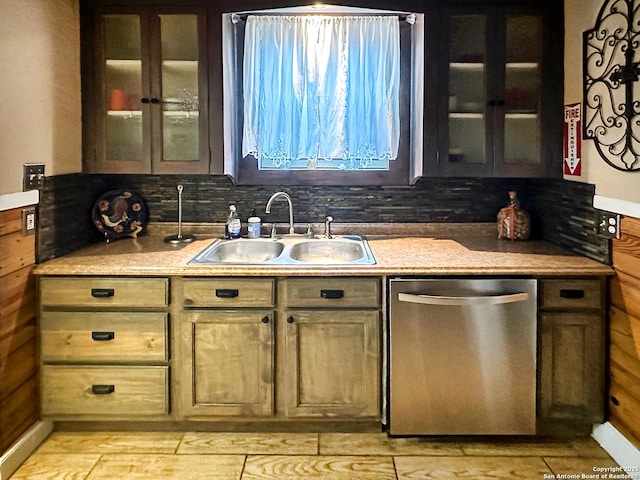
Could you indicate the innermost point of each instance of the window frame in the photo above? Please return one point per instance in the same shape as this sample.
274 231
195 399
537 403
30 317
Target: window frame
405 169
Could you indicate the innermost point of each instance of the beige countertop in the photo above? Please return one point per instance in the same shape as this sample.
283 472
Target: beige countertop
399 249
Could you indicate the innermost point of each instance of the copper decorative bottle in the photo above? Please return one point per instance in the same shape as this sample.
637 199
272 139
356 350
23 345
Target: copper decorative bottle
513 222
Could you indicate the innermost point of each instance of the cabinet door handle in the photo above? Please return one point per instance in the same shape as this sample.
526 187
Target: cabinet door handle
571 293
102 292
265 319
102 389
102 336
290 320
226 292
332 293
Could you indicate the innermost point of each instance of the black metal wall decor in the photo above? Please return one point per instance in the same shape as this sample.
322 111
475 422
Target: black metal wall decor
611 87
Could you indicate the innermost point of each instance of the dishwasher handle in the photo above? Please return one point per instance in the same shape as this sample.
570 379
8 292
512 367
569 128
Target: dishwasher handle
488 299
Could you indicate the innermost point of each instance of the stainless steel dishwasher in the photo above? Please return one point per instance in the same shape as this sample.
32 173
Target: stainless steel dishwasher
462 356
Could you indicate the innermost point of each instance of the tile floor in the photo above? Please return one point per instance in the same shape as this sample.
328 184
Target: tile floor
297 456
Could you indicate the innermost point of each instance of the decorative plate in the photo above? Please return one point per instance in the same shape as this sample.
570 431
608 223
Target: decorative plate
119 214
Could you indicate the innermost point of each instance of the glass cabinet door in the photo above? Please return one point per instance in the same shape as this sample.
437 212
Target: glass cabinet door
122 113
151 73
467 96
522 90
492 59
180 95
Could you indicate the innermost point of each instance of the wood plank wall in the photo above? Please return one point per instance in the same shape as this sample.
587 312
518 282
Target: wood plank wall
19 405
624 332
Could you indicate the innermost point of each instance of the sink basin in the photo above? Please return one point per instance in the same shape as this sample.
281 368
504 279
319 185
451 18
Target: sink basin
240 251
288 251
327 251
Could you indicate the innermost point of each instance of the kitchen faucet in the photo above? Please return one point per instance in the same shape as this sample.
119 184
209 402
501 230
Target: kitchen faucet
327 226
286 196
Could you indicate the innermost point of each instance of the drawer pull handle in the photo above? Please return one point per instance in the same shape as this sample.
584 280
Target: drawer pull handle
332 293
102 389
102 336
226 292
265 319
615 401
290 320
571 293
102 292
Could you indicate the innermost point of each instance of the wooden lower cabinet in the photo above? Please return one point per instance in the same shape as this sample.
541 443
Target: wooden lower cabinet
230 362
250 353
572 355
104 348
331 363
290 350
331 347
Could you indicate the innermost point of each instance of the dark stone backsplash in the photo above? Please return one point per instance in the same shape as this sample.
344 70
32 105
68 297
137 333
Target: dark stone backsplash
561 211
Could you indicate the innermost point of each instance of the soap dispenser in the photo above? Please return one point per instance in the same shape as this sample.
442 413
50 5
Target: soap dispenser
254 224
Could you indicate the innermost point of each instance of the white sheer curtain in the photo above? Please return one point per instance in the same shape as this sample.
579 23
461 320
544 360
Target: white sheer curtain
321 91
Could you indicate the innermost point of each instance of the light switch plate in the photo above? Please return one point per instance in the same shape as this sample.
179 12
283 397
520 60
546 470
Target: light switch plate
33 176
607 224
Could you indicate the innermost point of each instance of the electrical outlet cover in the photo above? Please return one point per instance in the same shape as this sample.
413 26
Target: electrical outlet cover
28 221
607 224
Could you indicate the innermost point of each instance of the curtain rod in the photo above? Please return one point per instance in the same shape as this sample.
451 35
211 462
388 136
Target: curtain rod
409 18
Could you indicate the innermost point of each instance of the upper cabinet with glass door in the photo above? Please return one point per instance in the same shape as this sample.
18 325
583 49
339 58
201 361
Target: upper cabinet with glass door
149 96
497 115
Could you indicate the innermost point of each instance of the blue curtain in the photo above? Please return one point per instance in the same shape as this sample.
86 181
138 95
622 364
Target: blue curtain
321 91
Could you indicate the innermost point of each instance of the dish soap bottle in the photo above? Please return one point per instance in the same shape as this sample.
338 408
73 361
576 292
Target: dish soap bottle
513 222
233 226
254 224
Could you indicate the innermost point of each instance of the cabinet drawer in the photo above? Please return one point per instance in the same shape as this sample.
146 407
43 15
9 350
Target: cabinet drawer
104 291
571 293
104 391
228 292
103 337
332 292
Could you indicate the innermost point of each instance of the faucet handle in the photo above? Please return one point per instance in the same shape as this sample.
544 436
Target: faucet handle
327 226
273 230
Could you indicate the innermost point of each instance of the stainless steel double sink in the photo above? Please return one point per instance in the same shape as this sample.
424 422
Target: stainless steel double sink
288 250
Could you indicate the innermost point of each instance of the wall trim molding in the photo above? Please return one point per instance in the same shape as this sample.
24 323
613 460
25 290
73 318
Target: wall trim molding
10 201
23 448
621 450
623 207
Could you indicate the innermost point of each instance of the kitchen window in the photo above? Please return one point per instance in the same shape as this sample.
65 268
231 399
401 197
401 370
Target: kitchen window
345 113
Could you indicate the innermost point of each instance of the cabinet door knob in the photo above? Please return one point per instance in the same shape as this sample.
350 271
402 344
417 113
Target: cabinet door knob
290 319
265 319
